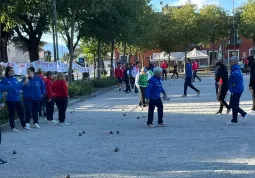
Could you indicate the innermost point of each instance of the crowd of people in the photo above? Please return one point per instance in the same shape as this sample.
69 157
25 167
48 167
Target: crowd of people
36 98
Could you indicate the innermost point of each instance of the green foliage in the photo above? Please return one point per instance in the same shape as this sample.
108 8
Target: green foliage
247 15
214 23
104 82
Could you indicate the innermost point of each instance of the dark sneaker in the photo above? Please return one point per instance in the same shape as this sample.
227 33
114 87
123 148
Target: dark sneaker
228 111
183 96
232 123
2 161
198 93
150 125
218 113
162 124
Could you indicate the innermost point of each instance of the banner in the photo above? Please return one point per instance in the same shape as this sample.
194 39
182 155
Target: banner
21 69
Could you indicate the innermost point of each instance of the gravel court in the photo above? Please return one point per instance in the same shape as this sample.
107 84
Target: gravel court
196 143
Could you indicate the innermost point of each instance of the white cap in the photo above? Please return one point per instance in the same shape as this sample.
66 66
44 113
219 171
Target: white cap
157 70
144 70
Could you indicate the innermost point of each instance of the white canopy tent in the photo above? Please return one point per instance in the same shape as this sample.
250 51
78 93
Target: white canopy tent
161 56
195 54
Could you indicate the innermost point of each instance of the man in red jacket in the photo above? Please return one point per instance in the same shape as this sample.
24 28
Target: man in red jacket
49 97
164 66
119 75
195 67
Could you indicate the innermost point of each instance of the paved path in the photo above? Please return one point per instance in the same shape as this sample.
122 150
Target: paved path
195 144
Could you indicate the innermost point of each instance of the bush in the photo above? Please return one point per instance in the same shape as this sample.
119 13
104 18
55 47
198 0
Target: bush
104 82
80 88
83 87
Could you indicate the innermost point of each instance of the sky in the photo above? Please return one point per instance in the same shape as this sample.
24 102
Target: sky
226 4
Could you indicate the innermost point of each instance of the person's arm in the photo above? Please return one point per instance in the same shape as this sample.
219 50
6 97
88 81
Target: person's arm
137 81
43 87
49 91
163 91
65 88
217 75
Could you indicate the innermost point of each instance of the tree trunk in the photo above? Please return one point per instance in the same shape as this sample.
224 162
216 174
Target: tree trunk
112 59
130 52
125 48
94 66
71 50
33 50
98 59
253 47
213 56
1 42
222 51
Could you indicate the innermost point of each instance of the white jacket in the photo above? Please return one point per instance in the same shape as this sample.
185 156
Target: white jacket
135 72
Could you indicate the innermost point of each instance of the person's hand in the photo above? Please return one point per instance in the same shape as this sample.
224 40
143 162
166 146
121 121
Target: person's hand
26 80
250 88
49 100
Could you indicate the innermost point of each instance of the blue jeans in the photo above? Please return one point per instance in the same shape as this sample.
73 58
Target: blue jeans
234 104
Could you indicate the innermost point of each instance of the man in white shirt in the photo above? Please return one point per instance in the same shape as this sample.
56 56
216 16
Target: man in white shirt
135 72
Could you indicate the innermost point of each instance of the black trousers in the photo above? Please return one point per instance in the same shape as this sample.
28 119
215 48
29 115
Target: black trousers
50 110
132 82
234 104
142 96
222 92
164 77
128 89
253 98
152 104
43 105
31 106
188 84
12 106
62 106
195 75
175 73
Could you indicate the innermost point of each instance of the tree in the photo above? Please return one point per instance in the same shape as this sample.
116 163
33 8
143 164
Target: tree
186 24
214 25
30 19
247 25
70 24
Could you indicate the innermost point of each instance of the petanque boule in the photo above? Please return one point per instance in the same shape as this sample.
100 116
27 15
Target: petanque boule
14 152
111 132
116 149
117 132
138 117
80 134
124 114
67 176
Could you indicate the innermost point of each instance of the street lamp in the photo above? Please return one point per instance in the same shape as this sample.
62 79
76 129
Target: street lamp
55 31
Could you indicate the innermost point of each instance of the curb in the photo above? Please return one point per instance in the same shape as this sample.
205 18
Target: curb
70 103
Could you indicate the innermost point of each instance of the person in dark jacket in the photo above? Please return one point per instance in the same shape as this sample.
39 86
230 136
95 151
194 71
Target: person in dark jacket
127 75
12 87
152 92
188 73
236 87
13 99
33 92
175 72
222 77
252 79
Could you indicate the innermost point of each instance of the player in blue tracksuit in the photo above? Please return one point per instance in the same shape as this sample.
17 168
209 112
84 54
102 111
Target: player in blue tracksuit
152 92
188 73
13 99
9 88
33 92
236 87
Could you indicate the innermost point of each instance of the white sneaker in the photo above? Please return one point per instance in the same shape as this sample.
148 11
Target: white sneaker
64 124
15 130
245 118
27 126
37 126
231 123
53 122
